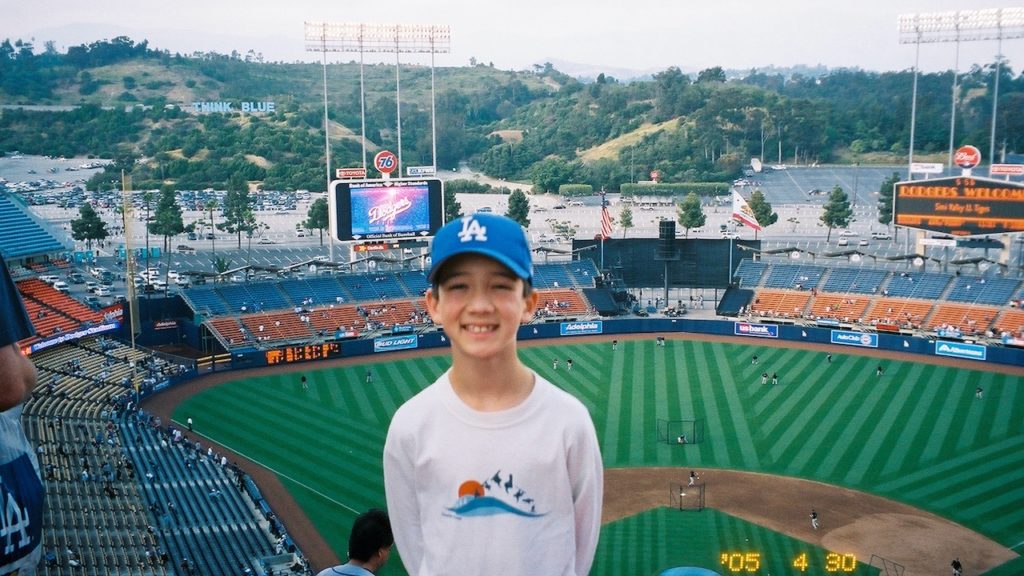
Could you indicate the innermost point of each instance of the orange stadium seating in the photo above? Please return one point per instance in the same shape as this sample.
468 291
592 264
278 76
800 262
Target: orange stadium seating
902 312
1011 322
967 318
845 307
780 303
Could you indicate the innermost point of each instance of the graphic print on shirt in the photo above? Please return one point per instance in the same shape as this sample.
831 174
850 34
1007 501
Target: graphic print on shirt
498 494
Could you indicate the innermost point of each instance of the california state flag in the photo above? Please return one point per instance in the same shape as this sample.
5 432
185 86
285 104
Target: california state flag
741 211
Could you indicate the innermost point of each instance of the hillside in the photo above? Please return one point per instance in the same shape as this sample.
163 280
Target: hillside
130 101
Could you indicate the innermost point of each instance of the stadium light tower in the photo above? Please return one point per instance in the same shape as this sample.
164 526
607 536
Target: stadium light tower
960 26
380 38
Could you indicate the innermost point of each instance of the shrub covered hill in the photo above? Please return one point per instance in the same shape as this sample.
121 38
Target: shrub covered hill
125 100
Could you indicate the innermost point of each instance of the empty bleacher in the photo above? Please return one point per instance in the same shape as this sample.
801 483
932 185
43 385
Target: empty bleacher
854 280
749 272
794 276
993 290
23 234
920 285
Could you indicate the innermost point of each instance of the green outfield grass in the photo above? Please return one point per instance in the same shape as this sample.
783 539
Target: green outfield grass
911 435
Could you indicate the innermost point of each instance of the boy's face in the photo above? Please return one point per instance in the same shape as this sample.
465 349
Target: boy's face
480 303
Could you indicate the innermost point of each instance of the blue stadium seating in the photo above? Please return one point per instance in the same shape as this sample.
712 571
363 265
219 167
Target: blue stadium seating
552 276
996 291
922 285
23 235
794 276
320 291
749 273
207 301
854 280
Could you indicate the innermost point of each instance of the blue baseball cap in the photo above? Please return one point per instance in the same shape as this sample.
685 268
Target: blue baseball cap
491 235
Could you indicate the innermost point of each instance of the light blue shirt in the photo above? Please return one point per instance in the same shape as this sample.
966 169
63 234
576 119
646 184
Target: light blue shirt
347 569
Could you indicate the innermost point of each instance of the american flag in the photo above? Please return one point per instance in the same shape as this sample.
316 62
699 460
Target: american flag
606 223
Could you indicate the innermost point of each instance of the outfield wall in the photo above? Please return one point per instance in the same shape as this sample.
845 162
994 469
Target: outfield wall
842 339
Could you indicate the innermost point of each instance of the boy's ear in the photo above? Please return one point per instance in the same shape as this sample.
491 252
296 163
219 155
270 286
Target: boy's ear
432 305
531 306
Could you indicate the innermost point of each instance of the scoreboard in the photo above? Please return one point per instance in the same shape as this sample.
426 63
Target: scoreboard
961 206
290 354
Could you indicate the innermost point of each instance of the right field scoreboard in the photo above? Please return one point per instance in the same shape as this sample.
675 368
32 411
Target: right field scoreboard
960 206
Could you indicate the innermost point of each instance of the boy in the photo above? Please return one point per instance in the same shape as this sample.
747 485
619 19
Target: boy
491 469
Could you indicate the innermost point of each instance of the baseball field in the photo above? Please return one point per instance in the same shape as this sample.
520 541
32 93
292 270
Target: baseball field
911 465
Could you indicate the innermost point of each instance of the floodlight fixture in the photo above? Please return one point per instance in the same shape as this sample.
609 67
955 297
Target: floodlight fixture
381 38
960 26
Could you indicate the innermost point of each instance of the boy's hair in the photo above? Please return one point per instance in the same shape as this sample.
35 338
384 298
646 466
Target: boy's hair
491 235
370 532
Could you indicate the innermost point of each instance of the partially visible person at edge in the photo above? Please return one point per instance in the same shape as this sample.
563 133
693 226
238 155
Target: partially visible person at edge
21 489
491 469
369 546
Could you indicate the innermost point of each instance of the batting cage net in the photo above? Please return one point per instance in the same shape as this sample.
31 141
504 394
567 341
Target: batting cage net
684 497
681 431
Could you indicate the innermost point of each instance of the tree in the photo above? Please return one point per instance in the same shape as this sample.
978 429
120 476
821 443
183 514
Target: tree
452 208
837 212
626 220
88 226
762 210
519 208
167 219
237 209
317 218
167 222
886 192
691 213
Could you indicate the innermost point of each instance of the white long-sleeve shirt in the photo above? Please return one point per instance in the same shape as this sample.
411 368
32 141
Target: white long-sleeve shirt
513 492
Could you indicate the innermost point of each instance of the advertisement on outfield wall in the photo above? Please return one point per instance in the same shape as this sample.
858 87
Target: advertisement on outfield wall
577 328
392 343
851 338
757 330
960 350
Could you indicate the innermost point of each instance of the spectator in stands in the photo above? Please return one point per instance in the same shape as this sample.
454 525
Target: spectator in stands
24 495
369 545
455 429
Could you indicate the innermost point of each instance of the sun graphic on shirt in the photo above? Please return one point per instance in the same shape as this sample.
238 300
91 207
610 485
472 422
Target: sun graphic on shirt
471 488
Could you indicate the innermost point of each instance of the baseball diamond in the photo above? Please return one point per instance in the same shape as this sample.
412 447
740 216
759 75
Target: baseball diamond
910 468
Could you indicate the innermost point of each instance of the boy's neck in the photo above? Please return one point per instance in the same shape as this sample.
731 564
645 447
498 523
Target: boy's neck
488 388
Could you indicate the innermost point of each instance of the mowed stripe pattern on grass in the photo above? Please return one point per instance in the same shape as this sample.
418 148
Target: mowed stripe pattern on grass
912 434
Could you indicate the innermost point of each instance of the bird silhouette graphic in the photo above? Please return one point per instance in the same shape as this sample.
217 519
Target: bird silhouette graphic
508 485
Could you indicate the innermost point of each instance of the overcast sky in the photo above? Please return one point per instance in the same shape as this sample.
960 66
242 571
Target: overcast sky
641 35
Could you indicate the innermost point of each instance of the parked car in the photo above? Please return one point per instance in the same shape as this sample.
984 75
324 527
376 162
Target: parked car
62 286
881 236
863 242
76 278
91 286
265 240
848 233
92 302
49 278
102 291
186 249
843 242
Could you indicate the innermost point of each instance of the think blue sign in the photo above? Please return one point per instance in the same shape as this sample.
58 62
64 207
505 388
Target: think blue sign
850 338
574 328
391 343
960 350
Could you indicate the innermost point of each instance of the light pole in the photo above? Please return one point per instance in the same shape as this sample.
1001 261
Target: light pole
961 26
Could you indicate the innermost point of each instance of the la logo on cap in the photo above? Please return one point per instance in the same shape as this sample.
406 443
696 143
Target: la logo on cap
472 231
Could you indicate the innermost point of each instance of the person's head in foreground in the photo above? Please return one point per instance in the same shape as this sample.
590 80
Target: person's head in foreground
370 542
